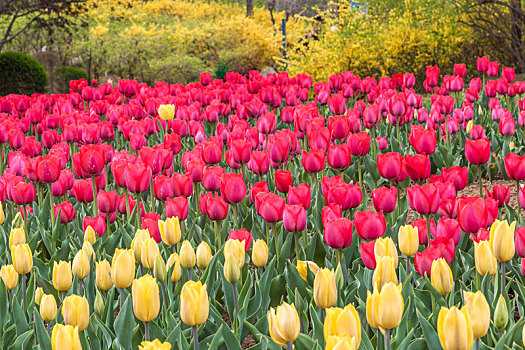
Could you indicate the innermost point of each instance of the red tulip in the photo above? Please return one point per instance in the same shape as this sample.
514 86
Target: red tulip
369 224
477 132
445 246
182 185
66 210
482 235
256 188
150 222
337 104
64 183
177 207
138 177
359 143
97 223
48 169
294 218
456 174
121 203
241 150
482 64
283 180
339 156
448 208
384 199
266 123
300 195
449 229
475 213
519 239
242 235
460 70
82 190
389 165
22 193
382 143
195 167
162 187
423 261
338 233
318 137
92 159
421 225
515 166
478 151
499 193
107 201
423 140
331 212
313 161
367 254
493 68
211 177
339 126
417 167
507 126
397 105
278 148
156 158
259 162
214 207
233 188
211 152
270 206
348 196
423 199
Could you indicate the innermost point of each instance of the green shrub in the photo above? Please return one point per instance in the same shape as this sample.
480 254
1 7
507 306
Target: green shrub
63 75
21 74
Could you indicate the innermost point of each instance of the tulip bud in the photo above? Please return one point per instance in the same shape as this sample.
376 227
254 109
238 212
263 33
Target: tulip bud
75 310
340 342
62 276
138 241
2 215
203 255
65 335
16 237
303 266
159 269
39 293
187 255
502 240
48 307
479 312
386 306
470 124
9 276
325 289
149 252
154 345
170 230
88 249
441 276
236 248
99 304
103 275
408 240
146 300
386 247
177 271
283 324
259 253
343 322
384 272
81 265
484 258
194 303
90 235
501 314
123 268
22 258
454 328
232 273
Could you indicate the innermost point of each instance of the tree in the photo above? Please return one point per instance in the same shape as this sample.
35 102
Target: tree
20 15
249 8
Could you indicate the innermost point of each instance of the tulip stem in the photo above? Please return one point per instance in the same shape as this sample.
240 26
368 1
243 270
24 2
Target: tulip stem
195 337
276 238
234 206
378 339
288 345
477 344
48 324
387 339
407 267
24 288
360 174
428 229
94 185
480 184
51 207
503 279
137 211
236 307
296 239
152 195
217 233
80 287
128 213
146 331
121 290
398 134
447 141
517 194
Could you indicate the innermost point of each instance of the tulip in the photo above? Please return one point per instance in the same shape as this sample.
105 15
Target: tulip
455 329
170 230
389 165
325 289
146 300
475 213
236 248
22 258
339 156
369 224
284 324
154 345
385 272
203 255
65 337
81 265
138 241
242 235
283 180
340 342
501 314
386 247
123 268
479 312
366 251
338 233
408 238
9 276
232 272
500 194
48 308
16 237
103 275
484 258
166 112
313 161
174 261
441 276
62 276
39 293
343 322
384 199
300 195
423 261
148 253
177 207
386 306
187 255
75 310
194 303
259 253
303 267
502 240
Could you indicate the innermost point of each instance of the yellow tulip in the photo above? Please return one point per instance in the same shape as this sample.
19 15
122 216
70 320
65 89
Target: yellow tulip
137 242
9 276
2 215
194 303
384 272
17 236
370 301
386 247
103 275
146 300
387 306
177 271
343 322
232 273
88 249
154 345
149 252
408 239
340 342
90 235
454 329
259 253
170 230
441 276
48 307
166 112
159 269
303 266
284 324
65 338
325 289
479 312
203 255
62 275
81 264
22 258
123 268
235 247
502 240
470 124
39 293
75 310
484 258
187 255
501 314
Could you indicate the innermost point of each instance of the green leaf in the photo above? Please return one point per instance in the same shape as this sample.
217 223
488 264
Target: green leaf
22 341
124 324
19 318
431 336
42 336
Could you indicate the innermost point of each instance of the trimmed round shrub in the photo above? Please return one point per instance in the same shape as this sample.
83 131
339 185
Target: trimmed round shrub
21 74
63 75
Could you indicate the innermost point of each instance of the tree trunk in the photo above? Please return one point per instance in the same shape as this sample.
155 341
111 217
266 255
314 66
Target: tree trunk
518 51
249 8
